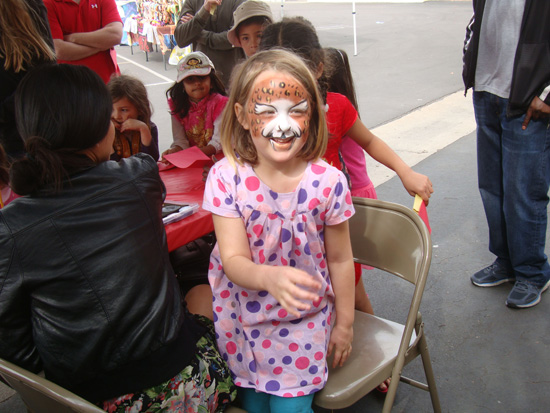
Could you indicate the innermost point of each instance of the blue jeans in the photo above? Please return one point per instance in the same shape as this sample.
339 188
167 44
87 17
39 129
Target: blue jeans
258 402
514 178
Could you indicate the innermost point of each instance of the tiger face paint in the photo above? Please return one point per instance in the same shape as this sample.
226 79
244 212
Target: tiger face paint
279 111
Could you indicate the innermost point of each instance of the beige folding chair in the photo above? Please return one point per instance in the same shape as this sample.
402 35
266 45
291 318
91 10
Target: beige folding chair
41 395
394 239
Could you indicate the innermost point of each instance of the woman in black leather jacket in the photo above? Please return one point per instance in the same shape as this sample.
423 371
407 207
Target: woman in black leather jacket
87 292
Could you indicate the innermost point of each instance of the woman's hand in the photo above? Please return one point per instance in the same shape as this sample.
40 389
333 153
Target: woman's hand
340 342
291 287
416 183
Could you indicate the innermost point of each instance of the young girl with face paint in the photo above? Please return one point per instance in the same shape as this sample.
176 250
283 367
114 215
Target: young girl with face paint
282 270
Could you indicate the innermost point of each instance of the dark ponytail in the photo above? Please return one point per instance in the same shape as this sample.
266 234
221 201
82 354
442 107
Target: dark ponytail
61 110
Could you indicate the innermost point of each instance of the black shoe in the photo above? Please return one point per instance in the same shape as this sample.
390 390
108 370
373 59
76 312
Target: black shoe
525 294
495 274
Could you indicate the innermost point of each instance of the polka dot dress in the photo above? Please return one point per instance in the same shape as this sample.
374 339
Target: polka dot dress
265 347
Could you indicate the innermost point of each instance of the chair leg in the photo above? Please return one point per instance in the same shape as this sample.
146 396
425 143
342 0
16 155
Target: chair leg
428 370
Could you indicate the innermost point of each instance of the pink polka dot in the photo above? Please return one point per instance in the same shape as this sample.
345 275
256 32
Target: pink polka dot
293 347
282 313
228 335
347 213
326 191
302 363
260 198
266 343
258 229
348 198
275 323
262 256
231 347
310 325
318 169
252 183
244 294
283 261
216 201
277 370
273 216
287 395
219 309
323 264
268 307
317 302
300 393
319 355
316 380
297 252
297 241
313 203
225 294
210 266
322 215
221 186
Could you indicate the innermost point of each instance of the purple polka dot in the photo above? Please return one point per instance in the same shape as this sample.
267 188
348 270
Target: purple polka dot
271 360
272 257
252 344
306 249
315 212
230 284
292 263
308 346
302 196
315 183
240 357
313 369
237 331
263 293
252 366
229 201
287 360
253 306
285 235
303 383
255 215
274 195
337 205
259 243
225 356
300 227
215 317
233 316
237 179
272 385
255 333
297 321
339 189
283 332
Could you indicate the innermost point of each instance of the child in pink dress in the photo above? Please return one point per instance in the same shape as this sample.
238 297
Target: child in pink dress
196 101
282 271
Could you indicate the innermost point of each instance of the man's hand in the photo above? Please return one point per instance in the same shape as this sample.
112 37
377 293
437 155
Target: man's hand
537 109
209 3
186 17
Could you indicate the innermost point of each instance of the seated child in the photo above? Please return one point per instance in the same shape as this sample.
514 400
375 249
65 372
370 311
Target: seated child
249 19
134 131
196 101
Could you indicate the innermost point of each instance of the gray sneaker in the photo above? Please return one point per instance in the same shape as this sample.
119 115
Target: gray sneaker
495 274
525 294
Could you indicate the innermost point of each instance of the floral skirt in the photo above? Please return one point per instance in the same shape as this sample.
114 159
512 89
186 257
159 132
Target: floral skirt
205 385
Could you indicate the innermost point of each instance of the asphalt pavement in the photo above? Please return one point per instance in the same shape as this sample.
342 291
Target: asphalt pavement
486 357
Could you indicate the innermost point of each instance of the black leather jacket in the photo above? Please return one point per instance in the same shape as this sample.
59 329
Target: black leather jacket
531 74
86 288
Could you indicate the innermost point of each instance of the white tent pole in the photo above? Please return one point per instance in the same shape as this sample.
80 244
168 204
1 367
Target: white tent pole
354 31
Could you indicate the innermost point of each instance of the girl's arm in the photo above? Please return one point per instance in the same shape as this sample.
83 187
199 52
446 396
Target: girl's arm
290 286
340 266
136 124
413 182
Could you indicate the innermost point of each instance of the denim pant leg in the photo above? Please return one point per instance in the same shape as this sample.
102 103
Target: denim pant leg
514 178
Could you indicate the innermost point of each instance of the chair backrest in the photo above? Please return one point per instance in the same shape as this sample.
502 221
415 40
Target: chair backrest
41 395
390 237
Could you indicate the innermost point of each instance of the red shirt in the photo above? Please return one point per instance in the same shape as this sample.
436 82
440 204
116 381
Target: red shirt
66 17
341 116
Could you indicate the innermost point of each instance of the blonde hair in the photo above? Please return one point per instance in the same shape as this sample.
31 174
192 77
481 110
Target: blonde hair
21 41
236 140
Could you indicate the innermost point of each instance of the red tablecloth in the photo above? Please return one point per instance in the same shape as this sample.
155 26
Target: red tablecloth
186 185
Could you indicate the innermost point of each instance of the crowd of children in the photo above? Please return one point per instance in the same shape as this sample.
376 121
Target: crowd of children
282 270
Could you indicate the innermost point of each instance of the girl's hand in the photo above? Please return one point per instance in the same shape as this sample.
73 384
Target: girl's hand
416 183
132 124
340 341
168 152
291 287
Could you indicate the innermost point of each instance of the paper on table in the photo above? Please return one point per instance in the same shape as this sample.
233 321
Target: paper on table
188 157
